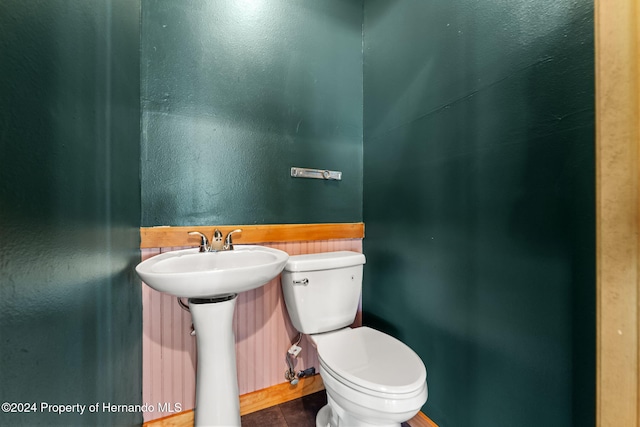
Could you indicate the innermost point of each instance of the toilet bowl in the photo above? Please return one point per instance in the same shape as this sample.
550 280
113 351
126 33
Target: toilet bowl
371 378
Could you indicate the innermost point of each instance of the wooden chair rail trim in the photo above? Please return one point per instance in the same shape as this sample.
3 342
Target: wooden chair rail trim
169 236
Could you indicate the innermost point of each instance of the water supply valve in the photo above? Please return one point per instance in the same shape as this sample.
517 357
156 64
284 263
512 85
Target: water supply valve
291 377
307 372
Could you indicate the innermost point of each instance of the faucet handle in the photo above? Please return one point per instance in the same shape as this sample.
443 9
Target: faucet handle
228 242
204 242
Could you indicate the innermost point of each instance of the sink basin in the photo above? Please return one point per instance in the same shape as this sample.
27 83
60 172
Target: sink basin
193 274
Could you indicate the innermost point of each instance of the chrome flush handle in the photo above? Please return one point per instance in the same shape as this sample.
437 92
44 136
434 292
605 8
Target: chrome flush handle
304 281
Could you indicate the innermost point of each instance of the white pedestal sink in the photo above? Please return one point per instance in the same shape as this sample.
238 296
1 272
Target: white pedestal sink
211 281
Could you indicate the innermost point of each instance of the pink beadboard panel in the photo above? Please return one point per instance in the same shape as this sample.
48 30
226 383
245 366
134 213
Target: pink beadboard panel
261 325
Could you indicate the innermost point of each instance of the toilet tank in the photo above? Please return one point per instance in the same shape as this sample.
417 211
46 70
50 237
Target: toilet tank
322 291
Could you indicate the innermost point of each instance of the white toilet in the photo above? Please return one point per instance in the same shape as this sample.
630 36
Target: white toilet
371 378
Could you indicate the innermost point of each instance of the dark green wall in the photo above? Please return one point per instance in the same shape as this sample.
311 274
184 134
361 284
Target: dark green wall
70 322
236 93
479 203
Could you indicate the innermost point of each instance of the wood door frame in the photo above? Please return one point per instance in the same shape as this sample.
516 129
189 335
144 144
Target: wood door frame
617 61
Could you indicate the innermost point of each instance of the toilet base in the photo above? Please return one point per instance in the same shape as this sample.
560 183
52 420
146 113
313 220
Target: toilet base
323 417
328 418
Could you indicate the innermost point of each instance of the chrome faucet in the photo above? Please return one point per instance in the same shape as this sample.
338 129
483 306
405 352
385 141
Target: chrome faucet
216 243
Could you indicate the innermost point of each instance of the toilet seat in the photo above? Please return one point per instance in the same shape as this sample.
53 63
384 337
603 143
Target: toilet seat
371 362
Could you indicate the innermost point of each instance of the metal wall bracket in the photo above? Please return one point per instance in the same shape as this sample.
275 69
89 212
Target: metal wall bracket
316 173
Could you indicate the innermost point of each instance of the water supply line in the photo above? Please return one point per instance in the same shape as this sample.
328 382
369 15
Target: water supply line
292 353
185 307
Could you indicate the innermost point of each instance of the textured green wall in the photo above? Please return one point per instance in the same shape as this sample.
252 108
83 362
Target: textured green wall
70 323
479 203
236 93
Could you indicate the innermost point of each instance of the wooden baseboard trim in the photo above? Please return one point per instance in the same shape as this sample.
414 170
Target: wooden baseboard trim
277 394
251 402
163 237
421 420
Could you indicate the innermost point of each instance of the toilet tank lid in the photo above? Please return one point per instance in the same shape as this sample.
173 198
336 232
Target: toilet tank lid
324 261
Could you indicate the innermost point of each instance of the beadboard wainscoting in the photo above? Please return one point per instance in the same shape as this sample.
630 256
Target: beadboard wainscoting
262 328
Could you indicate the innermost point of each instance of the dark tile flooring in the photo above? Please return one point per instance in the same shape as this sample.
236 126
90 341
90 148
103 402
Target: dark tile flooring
295 413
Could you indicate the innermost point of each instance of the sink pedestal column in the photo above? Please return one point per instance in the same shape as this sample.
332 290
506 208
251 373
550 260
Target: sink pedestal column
217 400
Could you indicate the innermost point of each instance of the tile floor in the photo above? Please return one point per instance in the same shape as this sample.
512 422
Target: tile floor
296 413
